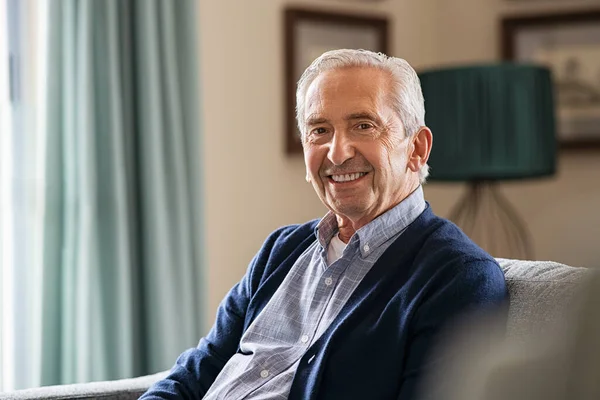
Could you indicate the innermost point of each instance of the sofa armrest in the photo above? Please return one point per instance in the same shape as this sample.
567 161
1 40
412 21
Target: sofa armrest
124 389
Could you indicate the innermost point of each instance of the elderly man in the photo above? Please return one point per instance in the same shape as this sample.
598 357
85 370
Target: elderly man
349 306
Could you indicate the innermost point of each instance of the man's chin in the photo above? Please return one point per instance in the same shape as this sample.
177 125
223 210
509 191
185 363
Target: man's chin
351 211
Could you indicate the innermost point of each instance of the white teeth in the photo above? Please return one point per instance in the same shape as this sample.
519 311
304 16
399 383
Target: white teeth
347 177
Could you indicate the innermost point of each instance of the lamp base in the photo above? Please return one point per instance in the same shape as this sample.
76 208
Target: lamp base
488 218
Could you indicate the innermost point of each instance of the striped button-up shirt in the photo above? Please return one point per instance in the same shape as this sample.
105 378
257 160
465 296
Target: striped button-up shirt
306 303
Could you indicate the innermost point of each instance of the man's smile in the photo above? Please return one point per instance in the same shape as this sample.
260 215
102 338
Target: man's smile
346 178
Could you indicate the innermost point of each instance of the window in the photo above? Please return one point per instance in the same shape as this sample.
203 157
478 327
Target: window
22 68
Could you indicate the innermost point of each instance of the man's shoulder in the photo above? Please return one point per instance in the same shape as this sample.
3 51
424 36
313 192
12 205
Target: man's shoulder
449 264
290 234
278 253
446 252
448 241
282 243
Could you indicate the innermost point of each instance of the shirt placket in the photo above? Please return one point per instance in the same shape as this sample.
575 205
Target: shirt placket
321 298
328 282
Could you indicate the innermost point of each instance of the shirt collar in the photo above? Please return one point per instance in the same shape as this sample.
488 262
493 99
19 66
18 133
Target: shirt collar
326 229
381 229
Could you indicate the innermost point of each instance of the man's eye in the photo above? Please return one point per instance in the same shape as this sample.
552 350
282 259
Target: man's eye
364 126
319 131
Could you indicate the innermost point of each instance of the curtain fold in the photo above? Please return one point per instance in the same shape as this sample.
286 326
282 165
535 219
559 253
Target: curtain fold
121 246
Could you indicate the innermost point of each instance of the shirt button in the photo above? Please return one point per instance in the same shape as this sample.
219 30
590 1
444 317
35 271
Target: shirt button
264 373
328 281
304 339
366 247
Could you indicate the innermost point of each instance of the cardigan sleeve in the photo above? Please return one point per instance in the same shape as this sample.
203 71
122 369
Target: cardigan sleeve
196 369
477 286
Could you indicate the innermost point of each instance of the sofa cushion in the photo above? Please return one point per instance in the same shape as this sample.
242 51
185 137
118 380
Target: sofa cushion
541 292
124 389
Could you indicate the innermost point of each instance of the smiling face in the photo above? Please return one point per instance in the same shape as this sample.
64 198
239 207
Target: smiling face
357 155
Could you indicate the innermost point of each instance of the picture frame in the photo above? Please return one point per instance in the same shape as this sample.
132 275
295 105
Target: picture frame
308 34
569 44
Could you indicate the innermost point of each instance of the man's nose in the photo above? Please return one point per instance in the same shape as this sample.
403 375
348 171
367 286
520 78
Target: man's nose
341 149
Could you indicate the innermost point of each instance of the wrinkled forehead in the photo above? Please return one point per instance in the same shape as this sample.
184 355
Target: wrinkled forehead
347 88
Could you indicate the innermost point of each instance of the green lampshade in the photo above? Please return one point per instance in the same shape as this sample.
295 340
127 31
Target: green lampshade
490 122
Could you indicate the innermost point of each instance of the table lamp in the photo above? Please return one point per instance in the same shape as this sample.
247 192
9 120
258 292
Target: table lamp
490 123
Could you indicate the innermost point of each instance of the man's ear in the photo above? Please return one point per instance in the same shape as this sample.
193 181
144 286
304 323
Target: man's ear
421 149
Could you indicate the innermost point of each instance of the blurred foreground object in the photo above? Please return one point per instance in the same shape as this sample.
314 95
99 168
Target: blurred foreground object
491 123
554 355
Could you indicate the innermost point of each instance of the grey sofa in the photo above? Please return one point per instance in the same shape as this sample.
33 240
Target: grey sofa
539 294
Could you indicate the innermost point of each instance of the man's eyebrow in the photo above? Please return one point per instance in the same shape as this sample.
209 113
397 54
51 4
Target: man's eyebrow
361 115
315 120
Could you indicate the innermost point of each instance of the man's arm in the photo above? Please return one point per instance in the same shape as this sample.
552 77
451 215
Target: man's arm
196 369
476 287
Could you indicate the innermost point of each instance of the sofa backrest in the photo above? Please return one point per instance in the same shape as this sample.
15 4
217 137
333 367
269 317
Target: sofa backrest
541 292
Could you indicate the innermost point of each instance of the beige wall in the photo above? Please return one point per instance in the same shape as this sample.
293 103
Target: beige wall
251 187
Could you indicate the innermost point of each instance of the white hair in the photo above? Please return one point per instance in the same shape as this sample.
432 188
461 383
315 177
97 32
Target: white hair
408 96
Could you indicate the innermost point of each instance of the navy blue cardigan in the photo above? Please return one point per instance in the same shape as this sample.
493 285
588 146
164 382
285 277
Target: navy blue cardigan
377 347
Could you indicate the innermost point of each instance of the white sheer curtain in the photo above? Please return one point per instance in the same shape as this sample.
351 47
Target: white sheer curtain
22 60
5 164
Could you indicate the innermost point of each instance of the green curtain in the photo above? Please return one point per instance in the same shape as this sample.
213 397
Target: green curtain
122 279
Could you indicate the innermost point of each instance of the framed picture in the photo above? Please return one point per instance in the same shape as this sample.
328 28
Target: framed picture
308 34
569 44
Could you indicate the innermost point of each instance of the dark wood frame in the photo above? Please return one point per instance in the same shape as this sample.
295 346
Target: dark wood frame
292 17
512 24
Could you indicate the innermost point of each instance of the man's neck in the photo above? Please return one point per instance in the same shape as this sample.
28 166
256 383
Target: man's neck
346 229
348 226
